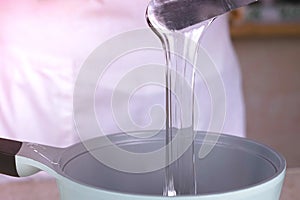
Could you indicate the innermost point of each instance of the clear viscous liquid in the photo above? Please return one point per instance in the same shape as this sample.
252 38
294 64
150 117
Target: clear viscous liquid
181 52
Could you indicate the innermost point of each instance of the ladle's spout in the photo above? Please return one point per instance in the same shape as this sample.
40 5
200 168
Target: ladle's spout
176 15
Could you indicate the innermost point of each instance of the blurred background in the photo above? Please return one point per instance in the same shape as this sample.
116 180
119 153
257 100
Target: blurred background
266 36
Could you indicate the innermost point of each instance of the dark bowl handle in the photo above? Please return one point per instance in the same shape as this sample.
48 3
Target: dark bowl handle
8 151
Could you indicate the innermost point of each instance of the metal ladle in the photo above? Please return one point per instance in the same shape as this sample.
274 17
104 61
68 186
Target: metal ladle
176 15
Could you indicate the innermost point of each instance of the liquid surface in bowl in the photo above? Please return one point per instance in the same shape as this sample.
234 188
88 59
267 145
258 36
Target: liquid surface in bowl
234 164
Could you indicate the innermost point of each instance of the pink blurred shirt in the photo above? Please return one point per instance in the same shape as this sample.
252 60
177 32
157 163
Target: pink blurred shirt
43 44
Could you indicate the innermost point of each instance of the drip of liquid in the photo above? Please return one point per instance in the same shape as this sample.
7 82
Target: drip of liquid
181 51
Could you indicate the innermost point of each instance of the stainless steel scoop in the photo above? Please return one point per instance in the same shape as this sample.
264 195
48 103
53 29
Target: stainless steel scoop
180 14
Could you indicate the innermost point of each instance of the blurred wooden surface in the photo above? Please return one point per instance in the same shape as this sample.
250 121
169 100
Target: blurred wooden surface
265 30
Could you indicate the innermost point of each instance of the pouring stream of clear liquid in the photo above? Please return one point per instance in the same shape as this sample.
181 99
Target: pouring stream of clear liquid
180 47
179 23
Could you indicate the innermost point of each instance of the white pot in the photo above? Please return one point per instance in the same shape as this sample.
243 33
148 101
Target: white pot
236 169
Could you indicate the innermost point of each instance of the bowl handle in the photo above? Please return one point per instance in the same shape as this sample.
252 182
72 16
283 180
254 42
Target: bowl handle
20 159
8 151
